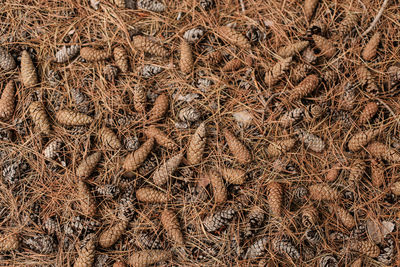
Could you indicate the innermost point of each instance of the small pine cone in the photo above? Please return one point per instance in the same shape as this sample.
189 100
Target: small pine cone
275 198
274 74
285 247
343 216
299 72
239 151
365 247
87 201
189 114
305 87
377 173
394 76
110 72
93 54
322 192
86 253
151 5
39 117
149 46
109 139
396 188
348 23
161 175
139 99
309 216
193 35
119 264
120 3
67 53
148 240
160 137
292 116
170 223
135 159
186 61
87 166
380 150
72 118
333 173
28 70
233 175
196 146
368 112
366 79
218 220
121 58
214 57
52 148
280 147
160 107
313 111
254 220
370 49
360 140
348 97
326 46
357 170
218 187
328 261
233 37
357 263
292 49
111 235
7 62
258 248
146 258
151 195
232 65
311 141
309 8
9 242
7 101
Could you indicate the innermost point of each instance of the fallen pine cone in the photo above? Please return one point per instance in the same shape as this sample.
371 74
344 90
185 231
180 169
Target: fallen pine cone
39 117
109 139
365 247
86 200
186 61
361 139
233 175
233 37
305 87
146 258
379 150
93 54
161 175
87 166
149 46
239 151
292 49
7 62
322 192
160 107
309 8
370 49
72 118
151 195
9 242
326 46
7 101
135 159
170 223
87 252
196 146
111 235
275 198
28 70
121 58
368 112
160 137
280 147
218 187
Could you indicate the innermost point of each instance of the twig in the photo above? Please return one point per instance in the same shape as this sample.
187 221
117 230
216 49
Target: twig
242 5
376 19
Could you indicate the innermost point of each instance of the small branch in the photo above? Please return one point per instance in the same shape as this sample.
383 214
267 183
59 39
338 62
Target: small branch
376 19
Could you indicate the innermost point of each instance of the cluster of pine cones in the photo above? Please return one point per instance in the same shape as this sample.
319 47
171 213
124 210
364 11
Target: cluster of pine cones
292 185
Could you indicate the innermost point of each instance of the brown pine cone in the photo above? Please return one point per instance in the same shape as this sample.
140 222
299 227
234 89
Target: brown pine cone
119 264
357 263
343 216
370 49
322 192
233 37
7 62
233 175
348 23
186 62
292 116
333 173
357 170
326 46
214 57
232 65
292 49
309 8
366 79
360 140
146 258
304 88
196 146
170 223
9 242
151 195
161 175
218 187
28 71
121 57
365 247
311 141
396 188
120 3
160 107
109 236
87 166
280 147
309 216
368 112
135 159
39 117
379 150
86 253
377 173
86 199
160 137
274 74
239 151
109 139
149 46
275 198
93 54
139 99
7 101
72 118
299 72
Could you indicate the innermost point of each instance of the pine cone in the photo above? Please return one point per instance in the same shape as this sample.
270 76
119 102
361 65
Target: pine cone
87 166
394 76
311 141
275 198
120 3
86 253
218 220
239 151
357 170
119 264
189 114
28 70
343 216
160 107
161 175
109 139
348 23
258 248
232 65
135 159
322 192
121 58
360 140
139 98
39 117
366 79
149 46
395 188
87 202
233 37
368 112
380 150
7 62
9 242
111 235
326 46
377 173
146 258
309 8
160 137
292 49
365 247
186 62
214 57
70 117
7 101
233 175
110 72
254 220
93 54
67 53
170 223
333 173
280 147
309 216
218 187
299 72
348 97
285 247
52 148
151 195
194 34
305 87
357 263
151 5
274 74
196 146
292 116
370 49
